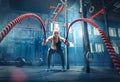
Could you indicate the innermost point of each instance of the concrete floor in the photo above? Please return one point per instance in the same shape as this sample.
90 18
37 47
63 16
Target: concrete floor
74 74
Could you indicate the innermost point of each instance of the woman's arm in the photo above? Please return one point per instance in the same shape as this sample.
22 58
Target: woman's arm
47 40
65 41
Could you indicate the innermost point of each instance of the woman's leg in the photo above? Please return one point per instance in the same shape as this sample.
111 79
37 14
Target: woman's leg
50 52
62 57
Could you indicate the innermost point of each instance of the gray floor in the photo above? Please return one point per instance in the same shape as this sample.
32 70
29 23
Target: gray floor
74 74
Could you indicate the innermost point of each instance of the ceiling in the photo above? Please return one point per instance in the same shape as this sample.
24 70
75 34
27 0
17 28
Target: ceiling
112 9
112 6
41 6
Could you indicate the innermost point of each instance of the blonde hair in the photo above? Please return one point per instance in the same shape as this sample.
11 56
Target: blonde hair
56 30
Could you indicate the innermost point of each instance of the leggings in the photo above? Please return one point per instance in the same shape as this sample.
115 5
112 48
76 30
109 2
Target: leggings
51 52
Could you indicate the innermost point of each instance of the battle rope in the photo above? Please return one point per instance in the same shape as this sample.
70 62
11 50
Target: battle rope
8 28
108 44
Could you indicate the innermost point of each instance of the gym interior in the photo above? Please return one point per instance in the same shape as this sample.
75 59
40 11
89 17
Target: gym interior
92 28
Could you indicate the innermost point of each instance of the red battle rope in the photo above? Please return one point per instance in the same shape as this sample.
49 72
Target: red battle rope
108 44
8 28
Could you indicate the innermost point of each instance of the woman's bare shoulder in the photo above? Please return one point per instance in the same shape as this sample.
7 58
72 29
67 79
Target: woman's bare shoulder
50 37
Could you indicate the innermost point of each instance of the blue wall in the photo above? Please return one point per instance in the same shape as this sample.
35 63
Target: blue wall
26 37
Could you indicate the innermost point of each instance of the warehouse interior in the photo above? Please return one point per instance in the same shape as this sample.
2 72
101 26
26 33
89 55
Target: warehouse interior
88 38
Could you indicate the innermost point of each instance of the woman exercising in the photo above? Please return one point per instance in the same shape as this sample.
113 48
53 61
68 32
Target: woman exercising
55 40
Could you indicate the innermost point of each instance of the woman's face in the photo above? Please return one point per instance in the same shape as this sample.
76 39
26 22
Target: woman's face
56 34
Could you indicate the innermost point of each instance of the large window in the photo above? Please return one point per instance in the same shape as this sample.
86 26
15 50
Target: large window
51 27
96 32
91 48
116 49
112 32
99 47
54 25
89 30
115 46
119 32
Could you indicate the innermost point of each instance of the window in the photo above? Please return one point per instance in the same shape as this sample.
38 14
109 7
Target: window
91 48
99 47
116 49
89 30
115 46
112 32
119 32
51 27
70 30
54 25
96 32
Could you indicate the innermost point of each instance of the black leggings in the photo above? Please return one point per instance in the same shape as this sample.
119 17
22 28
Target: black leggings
51 52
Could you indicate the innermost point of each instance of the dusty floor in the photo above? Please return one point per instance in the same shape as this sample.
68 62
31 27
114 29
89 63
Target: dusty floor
74 74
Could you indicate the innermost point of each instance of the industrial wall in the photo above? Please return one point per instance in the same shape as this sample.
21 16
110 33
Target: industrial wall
25 39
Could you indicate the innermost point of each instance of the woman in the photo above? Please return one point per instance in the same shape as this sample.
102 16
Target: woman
56 41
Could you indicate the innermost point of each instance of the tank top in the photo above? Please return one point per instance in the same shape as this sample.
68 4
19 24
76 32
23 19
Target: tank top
58 44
